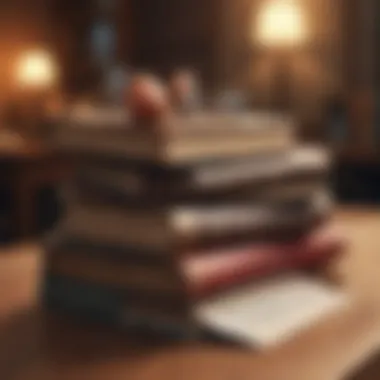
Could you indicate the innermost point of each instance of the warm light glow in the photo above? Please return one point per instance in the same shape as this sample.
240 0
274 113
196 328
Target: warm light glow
281 23
36 69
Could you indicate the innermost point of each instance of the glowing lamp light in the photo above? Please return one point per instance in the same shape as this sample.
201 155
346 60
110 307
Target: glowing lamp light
281 23
36 69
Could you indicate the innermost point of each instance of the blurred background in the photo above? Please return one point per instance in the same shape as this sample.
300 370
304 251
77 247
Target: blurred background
320 63
315 59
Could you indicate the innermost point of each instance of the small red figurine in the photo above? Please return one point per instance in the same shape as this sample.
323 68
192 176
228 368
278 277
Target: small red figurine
148 99
184 90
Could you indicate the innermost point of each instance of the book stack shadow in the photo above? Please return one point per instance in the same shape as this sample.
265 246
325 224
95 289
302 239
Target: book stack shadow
207 226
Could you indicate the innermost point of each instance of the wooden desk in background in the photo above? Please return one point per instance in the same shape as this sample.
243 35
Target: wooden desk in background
34 347
26 168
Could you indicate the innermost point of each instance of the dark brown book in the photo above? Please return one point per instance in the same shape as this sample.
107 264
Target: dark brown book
104 271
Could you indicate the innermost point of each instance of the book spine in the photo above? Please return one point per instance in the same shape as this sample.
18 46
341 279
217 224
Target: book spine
100 270
73 298
79 294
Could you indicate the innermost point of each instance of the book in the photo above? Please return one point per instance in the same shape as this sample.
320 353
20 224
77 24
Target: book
259 315
81 294
105 271
198 274
209 273
186 226
256 174
181 139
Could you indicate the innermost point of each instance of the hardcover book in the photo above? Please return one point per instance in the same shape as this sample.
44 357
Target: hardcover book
183 227
258 315
258 174
197 274
180 139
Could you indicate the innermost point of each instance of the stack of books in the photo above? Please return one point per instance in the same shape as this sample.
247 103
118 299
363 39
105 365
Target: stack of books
182 229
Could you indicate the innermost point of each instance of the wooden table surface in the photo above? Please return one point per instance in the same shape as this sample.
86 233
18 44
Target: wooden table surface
36 347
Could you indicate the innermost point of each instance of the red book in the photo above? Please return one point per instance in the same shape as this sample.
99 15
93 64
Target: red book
320 247
209 273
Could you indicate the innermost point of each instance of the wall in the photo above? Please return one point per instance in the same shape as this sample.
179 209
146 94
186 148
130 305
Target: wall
168 34
213 35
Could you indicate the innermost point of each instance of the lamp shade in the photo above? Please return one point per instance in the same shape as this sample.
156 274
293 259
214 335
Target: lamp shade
281 23
36 69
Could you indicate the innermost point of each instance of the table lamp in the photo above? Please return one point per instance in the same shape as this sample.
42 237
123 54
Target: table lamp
36 79
281 29
36 70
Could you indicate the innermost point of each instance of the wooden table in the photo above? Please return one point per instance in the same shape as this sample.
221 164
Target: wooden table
26 168
36 347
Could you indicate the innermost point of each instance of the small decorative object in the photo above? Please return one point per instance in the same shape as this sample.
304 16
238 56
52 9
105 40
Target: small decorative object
103 49
184 91
148 99
337 122
103 43
231 100
117 79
